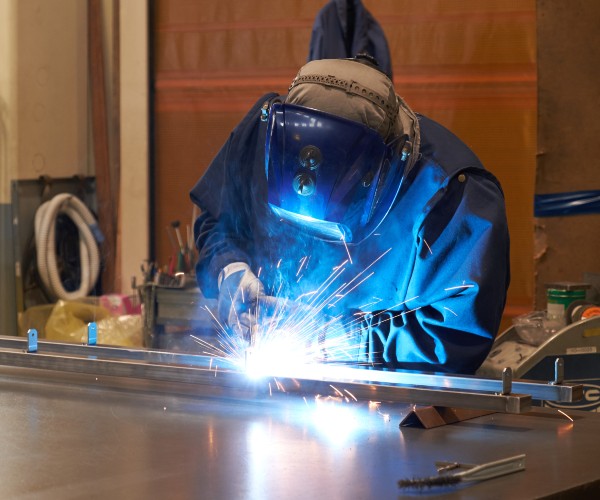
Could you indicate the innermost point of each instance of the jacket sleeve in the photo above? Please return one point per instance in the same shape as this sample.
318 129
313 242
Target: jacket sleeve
342 29
223 230
457 289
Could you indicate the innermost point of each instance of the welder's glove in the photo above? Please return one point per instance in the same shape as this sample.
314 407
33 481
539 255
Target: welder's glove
239 290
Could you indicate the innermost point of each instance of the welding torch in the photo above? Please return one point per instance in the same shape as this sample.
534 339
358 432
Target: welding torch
269 314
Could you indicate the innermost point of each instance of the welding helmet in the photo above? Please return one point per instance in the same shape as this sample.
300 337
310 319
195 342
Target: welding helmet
337 150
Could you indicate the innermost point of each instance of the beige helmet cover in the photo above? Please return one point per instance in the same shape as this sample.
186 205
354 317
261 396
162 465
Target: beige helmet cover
356 91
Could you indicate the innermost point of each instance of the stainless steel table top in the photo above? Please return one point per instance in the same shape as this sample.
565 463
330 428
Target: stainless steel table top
76 436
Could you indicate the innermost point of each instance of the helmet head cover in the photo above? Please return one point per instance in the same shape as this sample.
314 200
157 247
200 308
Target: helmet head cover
337 150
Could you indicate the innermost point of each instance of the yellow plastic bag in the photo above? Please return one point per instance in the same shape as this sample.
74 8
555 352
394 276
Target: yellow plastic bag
68 323
34 317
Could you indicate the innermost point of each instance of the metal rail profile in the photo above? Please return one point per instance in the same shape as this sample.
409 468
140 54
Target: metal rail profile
207 375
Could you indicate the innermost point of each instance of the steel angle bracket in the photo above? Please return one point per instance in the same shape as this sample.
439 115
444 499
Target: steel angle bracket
428 417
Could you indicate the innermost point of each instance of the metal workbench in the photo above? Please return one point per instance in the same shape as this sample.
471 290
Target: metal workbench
81 432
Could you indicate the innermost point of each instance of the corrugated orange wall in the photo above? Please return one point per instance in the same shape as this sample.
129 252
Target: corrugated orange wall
465 63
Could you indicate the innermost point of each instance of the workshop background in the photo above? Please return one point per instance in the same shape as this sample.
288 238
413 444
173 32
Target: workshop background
169 79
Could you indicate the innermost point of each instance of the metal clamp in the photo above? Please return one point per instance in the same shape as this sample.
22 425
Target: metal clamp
559 371
92 332
506 381
32 340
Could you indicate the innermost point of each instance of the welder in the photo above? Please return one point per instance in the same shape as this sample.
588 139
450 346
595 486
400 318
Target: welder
342 170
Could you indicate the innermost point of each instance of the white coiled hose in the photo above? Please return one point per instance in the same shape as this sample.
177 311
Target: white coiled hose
89 255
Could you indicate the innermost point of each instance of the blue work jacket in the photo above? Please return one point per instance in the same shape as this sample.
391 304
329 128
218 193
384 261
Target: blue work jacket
345 29
430 283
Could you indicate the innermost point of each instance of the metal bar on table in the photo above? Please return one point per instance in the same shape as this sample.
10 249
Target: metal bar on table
323 372
512 403
124 353
537 390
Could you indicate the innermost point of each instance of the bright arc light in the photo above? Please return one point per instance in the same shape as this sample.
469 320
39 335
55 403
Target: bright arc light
277 354
293 338
336 421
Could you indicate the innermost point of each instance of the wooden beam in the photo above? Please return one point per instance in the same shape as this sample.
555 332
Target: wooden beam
104 189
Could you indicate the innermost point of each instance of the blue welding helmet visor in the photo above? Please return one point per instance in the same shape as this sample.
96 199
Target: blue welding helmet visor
334 178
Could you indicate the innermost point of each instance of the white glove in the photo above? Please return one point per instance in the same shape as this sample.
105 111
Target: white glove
239 291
